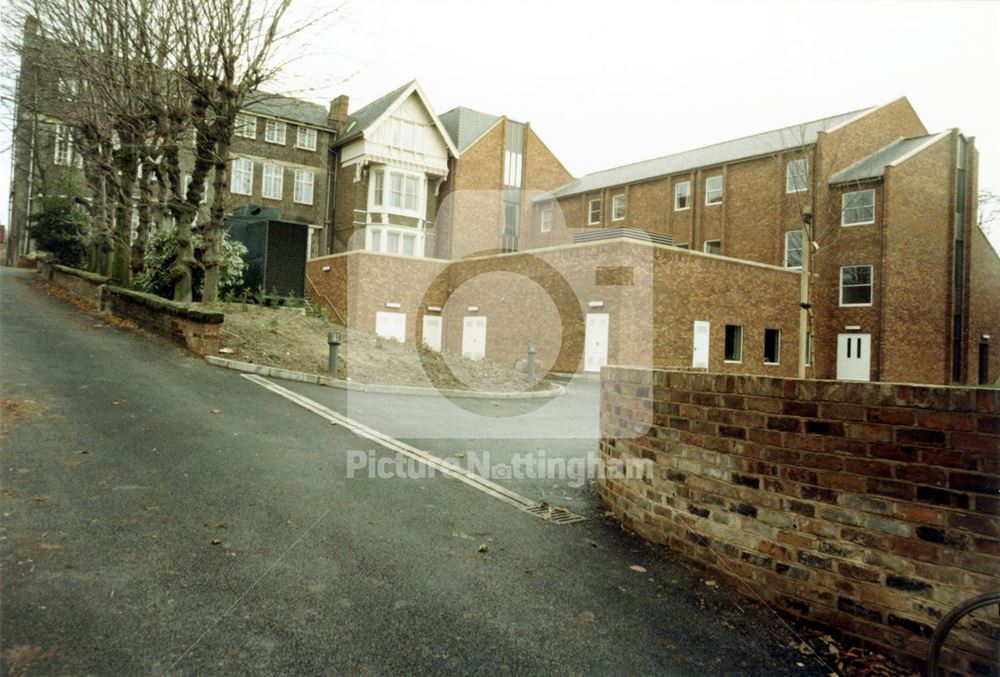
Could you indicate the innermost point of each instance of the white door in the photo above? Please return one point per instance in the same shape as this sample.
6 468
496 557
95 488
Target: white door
474 337
699 359
595 342
391 325
854 357
432 332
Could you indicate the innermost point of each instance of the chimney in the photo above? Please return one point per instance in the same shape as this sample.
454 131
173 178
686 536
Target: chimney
338 114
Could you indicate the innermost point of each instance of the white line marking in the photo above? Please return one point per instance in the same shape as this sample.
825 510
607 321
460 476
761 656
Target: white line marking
361 430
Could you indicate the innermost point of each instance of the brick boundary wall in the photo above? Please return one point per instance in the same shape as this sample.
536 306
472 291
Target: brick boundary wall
870 509
87 286
197 330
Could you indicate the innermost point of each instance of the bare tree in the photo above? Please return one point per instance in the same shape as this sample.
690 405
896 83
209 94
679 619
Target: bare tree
989 211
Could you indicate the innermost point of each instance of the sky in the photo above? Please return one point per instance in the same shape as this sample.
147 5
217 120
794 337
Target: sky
610 83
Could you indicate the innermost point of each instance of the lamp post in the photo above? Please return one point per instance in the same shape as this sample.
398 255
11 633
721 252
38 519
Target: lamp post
804 305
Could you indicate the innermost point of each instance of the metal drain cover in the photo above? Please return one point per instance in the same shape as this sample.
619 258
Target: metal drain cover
557 515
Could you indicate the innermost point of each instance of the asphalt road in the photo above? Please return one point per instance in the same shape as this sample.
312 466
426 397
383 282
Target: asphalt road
163 516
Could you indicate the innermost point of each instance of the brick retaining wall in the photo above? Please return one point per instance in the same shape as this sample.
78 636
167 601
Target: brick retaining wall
871 509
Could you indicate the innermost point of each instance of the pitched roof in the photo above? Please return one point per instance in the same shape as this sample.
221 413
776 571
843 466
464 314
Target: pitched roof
746 147
873 166
287 108
365 116
465 125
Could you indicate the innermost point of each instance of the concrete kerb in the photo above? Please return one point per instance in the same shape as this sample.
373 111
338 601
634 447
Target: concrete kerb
303 377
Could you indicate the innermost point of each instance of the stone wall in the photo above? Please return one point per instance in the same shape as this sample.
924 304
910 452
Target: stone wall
871 509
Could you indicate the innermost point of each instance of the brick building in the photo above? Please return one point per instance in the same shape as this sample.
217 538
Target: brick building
704 247
903 284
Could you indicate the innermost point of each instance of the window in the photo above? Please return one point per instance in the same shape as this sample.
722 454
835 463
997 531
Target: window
246 126
858 208
305 138
618 207
395 240
797 176
379 189
856 286
274 132
734 343
682 196
303 189
403 192
64 145
242 179
274 179
204 188
772 346
793 249
713 190
69 87
546 220
593 212
713 247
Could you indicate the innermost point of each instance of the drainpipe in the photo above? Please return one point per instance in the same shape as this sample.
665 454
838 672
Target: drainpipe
881 271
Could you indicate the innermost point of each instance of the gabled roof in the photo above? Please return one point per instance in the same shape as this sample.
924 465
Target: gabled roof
775 141
873 166
371 115
465 125
287 108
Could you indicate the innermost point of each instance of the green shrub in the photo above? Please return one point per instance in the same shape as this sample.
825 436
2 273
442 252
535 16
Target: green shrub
61 226
155 277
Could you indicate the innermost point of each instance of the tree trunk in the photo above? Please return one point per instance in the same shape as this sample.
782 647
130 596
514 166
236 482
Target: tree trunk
122 240
145 219
214 230
184 259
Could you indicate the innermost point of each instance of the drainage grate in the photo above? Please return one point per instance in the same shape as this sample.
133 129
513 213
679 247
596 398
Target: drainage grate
557 515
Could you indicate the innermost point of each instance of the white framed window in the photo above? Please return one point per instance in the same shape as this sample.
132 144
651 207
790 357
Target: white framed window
682 196
305 138
713 247
793 248
378 188
69 87
303 189
594 212
734 343
241 182
245 126
403 191
204 188
618 207
275 131
545 220
713 190
772 346
856 285
63 146
857 208
395 240
407 135
274 182
797 176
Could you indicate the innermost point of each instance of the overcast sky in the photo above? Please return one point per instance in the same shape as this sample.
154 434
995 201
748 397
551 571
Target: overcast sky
606 83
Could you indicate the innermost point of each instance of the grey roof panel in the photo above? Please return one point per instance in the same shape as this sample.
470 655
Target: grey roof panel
365 116
873 166
287 108
465 125
746 147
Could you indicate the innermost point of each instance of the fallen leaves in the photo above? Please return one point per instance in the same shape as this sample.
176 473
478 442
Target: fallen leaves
216 525
20 658
483 547
41 498
638 568
150 508
216 411
216 541
16 409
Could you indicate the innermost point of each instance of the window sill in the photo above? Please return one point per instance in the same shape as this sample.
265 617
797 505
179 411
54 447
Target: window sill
793 192
306 204
859 223
305 148
732 361
274 143
855 305
236 192
772 364
272 199
682 209
713 204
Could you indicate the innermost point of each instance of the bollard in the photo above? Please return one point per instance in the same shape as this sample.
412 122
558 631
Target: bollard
531 362
333 339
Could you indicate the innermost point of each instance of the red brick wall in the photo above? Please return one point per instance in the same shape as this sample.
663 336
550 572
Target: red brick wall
984 305
653 295
871 509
